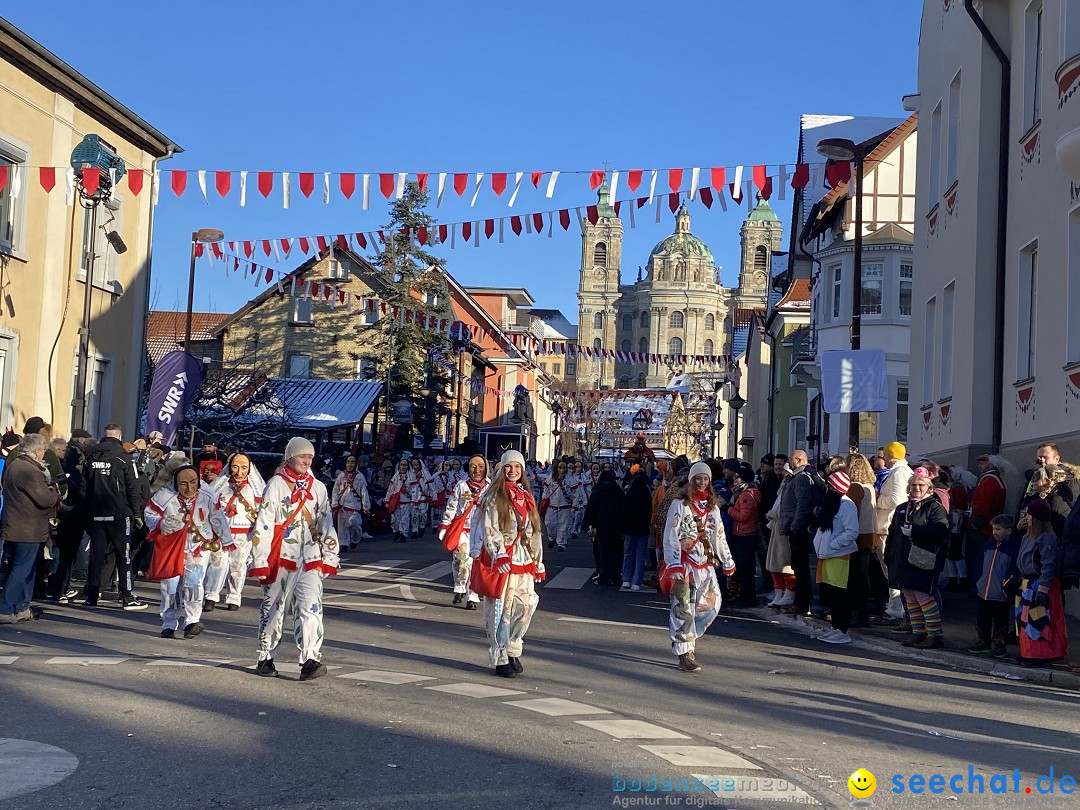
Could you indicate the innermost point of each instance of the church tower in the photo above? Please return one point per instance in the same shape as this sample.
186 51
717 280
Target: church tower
760 236
598 293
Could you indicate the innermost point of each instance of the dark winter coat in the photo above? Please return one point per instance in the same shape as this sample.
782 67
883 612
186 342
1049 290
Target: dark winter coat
637 507
769 485
28 501
929 530
801 495
603 512
112 488
994 570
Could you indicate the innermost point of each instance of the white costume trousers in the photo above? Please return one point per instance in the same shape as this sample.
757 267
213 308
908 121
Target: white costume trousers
235 572
349 528
559 523
217 571
298 592
462 569
182 597
406 519
507 620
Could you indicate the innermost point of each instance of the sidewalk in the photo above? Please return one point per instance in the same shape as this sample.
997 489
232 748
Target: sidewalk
959 625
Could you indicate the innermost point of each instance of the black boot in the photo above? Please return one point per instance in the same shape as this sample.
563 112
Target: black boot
312 669
266 668
457 598
515 664
505 671
193 630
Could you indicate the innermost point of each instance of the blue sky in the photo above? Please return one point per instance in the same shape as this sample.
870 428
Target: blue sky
486 86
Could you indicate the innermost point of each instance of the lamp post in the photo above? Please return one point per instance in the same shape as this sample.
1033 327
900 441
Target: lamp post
556 413
717 427
736 404
201 235
845 149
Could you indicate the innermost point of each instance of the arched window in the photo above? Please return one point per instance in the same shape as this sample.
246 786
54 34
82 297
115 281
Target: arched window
624 382
626 346
644 319
675 346
598 321
641 380
597 344
708 348
643 346
761 258
627 322
676 321
710 322
600 254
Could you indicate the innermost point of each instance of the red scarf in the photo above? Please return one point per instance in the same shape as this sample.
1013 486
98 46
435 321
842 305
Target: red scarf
475 486
699 507
520 498
301 484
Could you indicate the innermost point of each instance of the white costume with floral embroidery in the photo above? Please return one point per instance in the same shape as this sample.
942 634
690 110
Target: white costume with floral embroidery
695 600
166 514
460 499
406 518
507 619
308 553
236 504
350 501
559 517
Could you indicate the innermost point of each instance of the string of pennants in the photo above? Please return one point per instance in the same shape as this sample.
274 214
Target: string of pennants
534 347
475 385
764 177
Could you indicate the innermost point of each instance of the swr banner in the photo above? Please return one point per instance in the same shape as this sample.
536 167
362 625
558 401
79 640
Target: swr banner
176 384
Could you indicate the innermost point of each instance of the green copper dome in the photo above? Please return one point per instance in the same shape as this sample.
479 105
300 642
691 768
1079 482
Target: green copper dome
682 241
762 212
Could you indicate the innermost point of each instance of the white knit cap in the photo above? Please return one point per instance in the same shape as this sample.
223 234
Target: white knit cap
298 446
701 468
512 456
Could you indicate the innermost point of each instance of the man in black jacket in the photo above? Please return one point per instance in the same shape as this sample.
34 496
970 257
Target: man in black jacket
604 513
636 524
802 494
72 517
113 506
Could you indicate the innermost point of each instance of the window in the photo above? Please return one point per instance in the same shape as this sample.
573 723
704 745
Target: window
642 380
1070 31
556 368
1072 352
901 411
677 320
929 351
366 368
98 393
868 427
952 152
627 346
873 276
947 318
1025 333
624 382
13 160
710 322
761 258
1033 54
904 295
708 348
106 258
675 346
643 346
644 319
837 280
933 185
334 269
301 310
431 299
571 369
370 317
543 367
600 254
299 366
598 321
797 432
597 344
627 323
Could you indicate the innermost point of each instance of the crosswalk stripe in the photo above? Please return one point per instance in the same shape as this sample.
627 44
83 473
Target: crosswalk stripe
383 676
369 570
569 578
583 620
555 707
8 659
87 659
475 690
700 755
625 729
192 662
387 605
431 573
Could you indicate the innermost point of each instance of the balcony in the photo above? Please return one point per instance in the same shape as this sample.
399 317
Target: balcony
1068 145
804 364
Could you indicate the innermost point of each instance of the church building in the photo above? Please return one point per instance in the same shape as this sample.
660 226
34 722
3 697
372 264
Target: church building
677 307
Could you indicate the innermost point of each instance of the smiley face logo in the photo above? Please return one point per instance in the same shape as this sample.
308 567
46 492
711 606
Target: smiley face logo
862 784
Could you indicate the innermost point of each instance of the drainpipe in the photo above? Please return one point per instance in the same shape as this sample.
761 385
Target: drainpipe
1002 222
144 356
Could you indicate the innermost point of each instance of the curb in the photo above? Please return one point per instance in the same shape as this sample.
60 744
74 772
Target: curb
808 626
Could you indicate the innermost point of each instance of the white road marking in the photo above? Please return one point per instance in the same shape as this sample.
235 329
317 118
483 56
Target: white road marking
624 729
292 669
381 676
431 573
476 690
741 786
570 578
28 766
191 662
406 592
87 659
692 756
583 620
8 659
387 605
556 707
365 571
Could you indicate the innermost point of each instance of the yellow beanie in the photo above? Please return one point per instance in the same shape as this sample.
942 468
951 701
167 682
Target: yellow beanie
896 450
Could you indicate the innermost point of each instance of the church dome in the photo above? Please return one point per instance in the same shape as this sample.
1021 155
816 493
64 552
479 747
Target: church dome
682 241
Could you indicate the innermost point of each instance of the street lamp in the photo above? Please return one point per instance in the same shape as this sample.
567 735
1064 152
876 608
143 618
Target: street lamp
556 413
845 149
201 235
736 404
717 427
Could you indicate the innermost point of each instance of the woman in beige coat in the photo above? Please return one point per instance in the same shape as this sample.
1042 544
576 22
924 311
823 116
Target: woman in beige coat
778 555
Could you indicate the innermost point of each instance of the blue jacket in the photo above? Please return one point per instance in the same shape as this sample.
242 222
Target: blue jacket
996 573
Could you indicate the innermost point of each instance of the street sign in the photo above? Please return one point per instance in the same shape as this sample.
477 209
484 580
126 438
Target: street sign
417 442
437 443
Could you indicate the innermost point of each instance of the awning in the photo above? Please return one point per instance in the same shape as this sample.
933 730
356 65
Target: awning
325 404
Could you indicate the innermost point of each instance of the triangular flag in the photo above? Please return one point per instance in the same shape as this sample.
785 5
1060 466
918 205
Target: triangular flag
135 181
674 179
347 181
47 177
801 176
222 182
179 182
498 183
91 179
266 183
536 177
307 183
633 179
386 185
595 179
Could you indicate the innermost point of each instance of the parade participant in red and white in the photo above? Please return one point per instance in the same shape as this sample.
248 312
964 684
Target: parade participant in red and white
458 474
403 498
575 489
349 502
694 545
442 487
462 501
535 474
557 508
178 519
295 547
423 502
235 504
506 537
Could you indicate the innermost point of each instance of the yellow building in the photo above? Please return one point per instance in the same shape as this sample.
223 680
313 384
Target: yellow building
46 108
